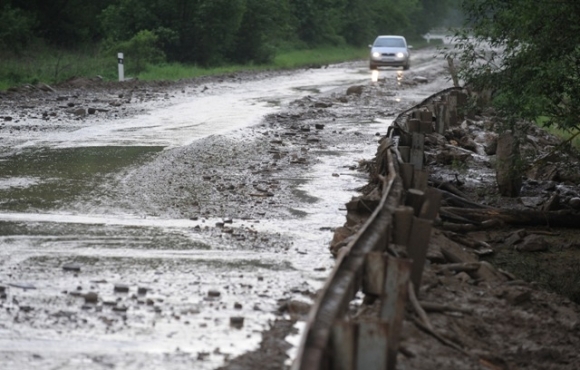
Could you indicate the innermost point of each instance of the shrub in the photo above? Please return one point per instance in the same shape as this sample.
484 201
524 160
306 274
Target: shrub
140 51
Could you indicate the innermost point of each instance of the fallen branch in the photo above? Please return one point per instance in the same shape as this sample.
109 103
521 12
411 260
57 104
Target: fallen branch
468 242
458 201
424 324
563 218
417 306
436 307
462 267
450 216
469 227
446 185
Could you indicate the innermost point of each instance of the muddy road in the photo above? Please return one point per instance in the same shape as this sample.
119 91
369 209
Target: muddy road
148 226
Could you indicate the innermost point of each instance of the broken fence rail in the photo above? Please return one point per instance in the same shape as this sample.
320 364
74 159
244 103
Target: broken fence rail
403 219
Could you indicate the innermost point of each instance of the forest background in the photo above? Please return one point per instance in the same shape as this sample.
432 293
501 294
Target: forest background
50 41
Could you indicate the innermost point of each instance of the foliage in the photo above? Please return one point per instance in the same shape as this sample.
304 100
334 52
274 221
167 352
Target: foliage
259 30
46 65
140 51
528 54
15 28
212 32
68 23
42 64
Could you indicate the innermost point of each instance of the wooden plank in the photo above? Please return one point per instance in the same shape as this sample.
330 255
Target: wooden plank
407 171
431 204
414 125
461 105
405 139
420 179
415 199
417 149
374 274
372 345
441 124
405 153
395 284
342 346
403 221
396 287
426 116
453 120
426 127
383 243
417 248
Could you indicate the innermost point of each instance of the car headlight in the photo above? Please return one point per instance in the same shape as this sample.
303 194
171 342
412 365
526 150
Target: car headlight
400 55
376 54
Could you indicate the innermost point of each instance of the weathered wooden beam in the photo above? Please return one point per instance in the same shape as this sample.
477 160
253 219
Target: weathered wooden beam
417 150
372 345
402 223
417 248
393 303
563 218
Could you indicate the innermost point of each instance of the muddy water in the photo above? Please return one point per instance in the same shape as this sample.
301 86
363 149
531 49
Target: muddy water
167 288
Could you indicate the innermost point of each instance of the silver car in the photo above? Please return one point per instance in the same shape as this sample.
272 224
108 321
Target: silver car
390 51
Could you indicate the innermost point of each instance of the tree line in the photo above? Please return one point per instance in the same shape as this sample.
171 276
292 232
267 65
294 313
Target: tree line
212 32
528 54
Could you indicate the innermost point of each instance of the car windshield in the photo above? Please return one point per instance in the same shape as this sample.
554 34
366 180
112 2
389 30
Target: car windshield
390 42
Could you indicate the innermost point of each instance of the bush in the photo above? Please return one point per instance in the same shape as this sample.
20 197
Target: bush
15 29
140 51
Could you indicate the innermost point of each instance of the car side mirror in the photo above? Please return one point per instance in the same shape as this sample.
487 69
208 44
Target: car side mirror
409 46
370 46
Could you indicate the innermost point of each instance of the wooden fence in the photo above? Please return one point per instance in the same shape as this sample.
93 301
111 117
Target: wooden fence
370 263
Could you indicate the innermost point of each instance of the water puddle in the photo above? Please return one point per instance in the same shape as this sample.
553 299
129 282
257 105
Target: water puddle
43 178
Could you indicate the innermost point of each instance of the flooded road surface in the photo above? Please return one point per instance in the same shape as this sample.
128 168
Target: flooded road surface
222 107
91 278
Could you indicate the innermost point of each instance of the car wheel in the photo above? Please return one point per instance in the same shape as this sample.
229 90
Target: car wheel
407 66
373 67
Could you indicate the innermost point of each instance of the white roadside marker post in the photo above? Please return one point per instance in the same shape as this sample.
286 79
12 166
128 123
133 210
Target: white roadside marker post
121 71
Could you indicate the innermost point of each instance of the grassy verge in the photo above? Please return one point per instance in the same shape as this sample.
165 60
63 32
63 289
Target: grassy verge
43 65
562 134
321 56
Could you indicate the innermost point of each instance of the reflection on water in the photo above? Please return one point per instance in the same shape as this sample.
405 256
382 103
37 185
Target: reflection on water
41 179
375 76
399 77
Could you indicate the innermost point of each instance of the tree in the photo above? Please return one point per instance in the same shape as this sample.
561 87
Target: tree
207 32
66 23
15 28
263 24
429 14
528 54
317 22
358 25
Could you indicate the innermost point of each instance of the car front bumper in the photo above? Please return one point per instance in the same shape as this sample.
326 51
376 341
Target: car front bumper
387 61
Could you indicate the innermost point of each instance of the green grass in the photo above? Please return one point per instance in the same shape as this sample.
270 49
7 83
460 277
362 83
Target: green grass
284 60
44 65
52 66
320 56
422 43
562 134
